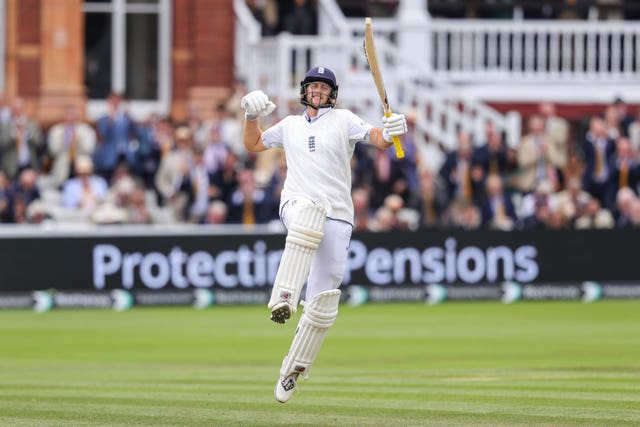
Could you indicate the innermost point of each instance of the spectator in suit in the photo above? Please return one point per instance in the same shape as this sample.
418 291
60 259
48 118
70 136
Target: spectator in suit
197 184
118 139
431 200
539 157
463 181
67 141
21 142
85 191
624 170
492 157
625 118
24 192
596 149
497 208
248 204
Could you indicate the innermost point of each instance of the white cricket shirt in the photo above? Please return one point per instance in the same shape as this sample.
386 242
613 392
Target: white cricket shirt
318 154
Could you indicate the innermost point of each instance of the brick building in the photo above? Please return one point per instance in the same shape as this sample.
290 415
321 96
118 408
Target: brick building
162 54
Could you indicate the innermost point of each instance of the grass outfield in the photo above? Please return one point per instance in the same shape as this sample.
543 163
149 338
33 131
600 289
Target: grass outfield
543 363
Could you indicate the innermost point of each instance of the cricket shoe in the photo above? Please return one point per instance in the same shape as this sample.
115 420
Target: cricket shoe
281 312
285 387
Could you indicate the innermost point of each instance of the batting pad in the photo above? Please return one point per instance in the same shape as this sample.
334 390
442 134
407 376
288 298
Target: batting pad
303 238
317 317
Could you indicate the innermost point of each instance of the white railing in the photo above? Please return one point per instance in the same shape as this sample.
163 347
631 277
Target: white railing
277 64
542 51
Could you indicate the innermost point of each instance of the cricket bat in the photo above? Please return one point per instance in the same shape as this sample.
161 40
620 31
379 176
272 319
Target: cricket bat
372 60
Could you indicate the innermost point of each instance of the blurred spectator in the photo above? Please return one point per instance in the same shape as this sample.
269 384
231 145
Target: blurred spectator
492 157
301 19
625 118
228 130
497 208
594 216
216 213
197 185
37 213
266 13
597 148
21 141
462 181
118 139
612 123
432 199
23 193
362 214
624 203
539 157
556 127
84 191
216 151
383 220
156 138
5 198
634 133
249 204
108 214
574 195
238 91
464 215
67 140
624 171
536 207
5 111
174 166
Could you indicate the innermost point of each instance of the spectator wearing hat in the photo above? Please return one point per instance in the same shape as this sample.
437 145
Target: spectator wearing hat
86 190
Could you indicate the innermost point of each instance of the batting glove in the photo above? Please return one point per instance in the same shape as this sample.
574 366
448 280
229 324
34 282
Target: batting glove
394 125
256 104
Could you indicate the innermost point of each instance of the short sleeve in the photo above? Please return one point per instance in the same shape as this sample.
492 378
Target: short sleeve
272 137
358 128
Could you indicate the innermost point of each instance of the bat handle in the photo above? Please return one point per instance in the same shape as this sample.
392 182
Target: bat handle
396 140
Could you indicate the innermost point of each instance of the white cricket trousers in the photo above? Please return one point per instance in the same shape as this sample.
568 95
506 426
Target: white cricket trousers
330 260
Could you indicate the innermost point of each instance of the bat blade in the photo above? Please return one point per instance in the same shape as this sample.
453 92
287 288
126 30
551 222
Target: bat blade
372 60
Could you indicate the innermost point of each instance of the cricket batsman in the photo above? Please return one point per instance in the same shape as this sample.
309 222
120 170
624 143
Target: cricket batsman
315 207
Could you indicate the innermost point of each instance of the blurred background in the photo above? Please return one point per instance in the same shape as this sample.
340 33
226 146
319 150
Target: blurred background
120 126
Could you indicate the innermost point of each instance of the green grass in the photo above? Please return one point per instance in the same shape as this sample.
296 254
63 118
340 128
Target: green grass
543 363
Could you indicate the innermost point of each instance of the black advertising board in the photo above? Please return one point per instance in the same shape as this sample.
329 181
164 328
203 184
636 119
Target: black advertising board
169 262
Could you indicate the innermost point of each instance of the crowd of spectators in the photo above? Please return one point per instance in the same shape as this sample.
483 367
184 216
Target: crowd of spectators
121 171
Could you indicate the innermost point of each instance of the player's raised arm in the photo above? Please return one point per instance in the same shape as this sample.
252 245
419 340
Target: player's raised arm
394 125
255 104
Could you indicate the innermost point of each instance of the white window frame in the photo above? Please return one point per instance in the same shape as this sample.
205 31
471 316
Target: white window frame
3 31
140 110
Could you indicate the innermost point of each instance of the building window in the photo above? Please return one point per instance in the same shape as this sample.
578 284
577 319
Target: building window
127 50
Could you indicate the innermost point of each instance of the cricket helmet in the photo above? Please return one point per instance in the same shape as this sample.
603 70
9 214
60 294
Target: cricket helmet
324 75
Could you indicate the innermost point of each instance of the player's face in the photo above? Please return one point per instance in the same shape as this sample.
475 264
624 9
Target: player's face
318 93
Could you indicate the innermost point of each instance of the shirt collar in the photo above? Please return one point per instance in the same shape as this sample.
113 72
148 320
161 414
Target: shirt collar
321 112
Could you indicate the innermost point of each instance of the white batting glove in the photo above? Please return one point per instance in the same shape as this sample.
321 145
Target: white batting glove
394 125
256 104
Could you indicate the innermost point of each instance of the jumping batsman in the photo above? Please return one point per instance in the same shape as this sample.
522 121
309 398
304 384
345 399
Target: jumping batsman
315 206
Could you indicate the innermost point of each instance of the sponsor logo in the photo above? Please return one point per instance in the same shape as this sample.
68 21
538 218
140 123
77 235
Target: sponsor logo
255 267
